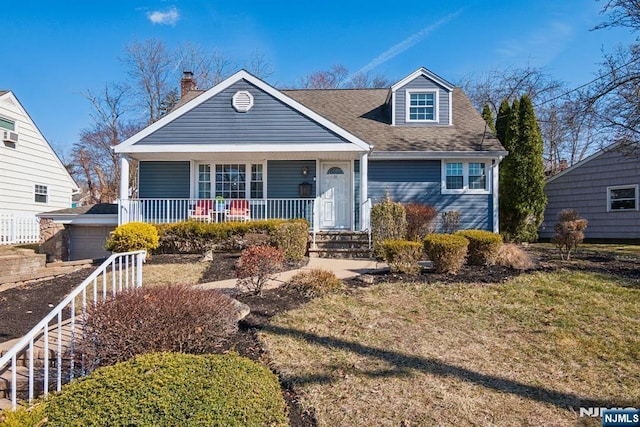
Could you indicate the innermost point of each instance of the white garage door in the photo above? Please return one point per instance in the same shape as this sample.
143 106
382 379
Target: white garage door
88 241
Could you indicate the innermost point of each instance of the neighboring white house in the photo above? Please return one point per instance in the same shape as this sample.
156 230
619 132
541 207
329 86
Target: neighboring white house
32 177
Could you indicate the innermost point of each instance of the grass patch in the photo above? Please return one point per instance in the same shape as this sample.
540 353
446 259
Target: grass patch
188 273
618 251
529 352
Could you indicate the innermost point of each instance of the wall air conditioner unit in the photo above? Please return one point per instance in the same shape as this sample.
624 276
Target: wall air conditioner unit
9 136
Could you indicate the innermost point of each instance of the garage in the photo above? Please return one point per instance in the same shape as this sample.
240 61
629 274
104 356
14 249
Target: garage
77 233
86 241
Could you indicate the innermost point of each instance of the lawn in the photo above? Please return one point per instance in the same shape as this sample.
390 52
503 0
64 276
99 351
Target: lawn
531 351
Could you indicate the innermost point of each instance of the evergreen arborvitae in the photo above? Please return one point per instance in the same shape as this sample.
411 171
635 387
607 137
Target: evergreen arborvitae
522 198
502 121
487 115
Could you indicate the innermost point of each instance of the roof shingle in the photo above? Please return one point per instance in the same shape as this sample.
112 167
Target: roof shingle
363 112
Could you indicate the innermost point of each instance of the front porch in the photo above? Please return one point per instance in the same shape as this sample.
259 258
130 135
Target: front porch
162 211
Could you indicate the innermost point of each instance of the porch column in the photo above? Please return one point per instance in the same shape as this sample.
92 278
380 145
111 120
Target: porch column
364 185
495 179
124 177
123 202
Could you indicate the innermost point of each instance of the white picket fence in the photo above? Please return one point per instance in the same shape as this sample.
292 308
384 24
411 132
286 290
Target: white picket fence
18 227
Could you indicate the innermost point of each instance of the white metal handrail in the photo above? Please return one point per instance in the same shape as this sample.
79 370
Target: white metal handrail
120 272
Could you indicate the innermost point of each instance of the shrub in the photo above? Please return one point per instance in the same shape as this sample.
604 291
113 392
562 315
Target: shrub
33 415
291 238
388 221
483 246
168 318
256 266
512 256
451 221
420 220
133 236
569 232
447 251
169 389
315 282
200 237
402 255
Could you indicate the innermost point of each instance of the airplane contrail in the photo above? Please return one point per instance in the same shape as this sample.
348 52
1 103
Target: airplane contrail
404 45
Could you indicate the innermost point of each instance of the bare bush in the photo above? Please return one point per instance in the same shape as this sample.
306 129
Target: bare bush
168 318
513 256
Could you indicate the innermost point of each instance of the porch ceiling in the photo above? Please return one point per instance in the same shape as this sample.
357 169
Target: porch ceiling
248 156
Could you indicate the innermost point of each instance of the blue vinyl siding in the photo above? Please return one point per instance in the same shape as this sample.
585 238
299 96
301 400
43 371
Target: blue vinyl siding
419 83
215 121
584 189
284 176
419 181
164 180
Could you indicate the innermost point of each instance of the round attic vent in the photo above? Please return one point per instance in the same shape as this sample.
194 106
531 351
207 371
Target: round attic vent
242 101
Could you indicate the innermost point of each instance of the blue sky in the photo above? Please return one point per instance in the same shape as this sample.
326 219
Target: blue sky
54 50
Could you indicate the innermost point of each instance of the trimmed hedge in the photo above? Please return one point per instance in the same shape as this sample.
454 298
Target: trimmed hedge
484 246
292 239
172 389
200 237
447 251
402 255
133 236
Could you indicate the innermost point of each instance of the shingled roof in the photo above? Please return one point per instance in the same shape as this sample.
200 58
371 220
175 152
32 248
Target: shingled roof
2 92
363 112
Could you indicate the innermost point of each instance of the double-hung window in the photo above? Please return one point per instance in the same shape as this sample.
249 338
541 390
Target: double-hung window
422 106
7 124
464 177
41 194
622 198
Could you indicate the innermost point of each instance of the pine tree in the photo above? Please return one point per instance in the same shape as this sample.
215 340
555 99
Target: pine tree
487 115
522 198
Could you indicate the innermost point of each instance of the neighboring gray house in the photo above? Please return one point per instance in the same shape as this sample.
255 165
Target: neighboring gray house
325 155
603 189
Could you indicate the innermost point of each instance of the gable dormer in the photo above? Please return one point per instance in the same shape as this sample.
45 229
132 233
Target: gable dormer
421 99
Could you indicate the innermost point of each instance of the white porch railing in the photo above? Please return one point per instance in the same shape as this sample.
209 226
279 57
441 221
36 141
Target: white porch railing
211 210
18 227
366 219
57 333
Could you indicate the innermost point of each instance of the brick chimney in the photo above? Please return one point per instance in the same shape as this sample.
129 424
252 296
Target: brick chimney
187 83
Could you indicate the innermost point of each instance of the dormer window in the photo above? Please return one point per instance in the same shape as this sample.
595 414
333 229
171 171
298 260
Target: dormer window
422 106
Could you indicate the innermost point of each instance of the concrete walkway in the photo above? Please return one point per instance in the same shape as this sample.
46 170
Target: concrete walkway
343 268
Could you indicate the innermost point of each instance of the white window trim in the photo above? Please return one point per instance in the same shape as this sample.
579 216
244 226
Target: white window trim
618 187
465 177
46 195
436 107
247 190
8 119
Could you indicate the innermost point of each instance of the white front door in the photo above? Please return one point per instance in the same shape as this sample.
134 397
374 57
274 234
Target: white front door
335 189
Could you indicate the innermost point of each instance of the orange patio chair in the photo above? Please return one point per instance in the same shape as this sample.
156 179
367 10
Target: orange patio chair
238 211
202 210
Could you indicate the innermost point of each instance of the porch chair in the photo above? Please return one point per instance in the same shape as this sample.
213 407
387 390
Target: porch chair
202 210
238 211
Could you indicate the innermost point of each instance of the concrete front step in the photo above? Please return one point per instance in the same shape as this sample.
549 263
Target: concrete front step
355 253
341 244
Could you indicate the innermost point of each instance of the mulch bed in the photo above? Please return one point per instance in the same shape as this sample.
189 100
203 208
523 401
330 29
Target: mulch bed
23 307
